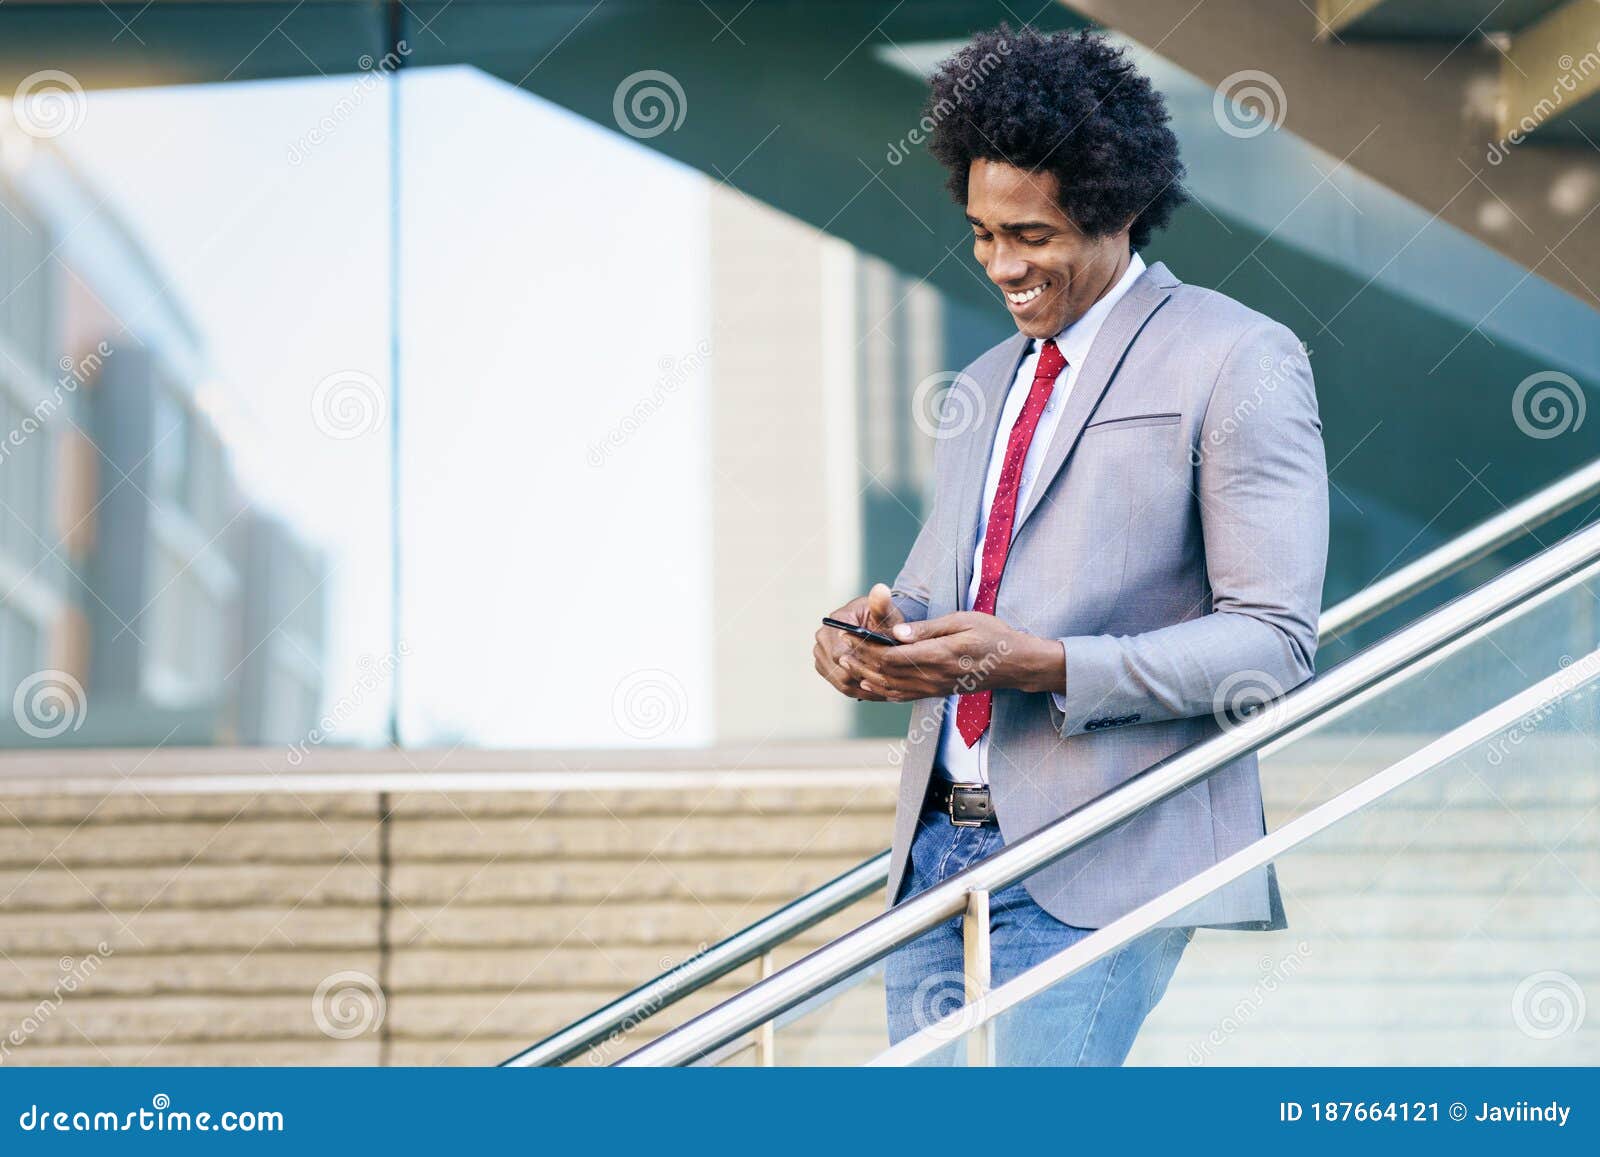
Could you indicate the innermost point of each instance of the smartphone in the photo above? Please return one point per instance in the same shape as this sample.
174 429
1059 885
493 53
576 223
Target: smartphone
860 632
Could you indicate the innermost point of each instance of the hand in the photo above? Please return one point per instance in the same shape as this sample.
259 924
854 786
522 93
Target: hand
963 652
874 610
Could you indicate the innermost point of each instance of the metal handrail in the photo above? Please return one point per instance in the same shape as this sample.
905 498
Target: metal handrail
611 1020
987 1006
779 927
883 934
1466 548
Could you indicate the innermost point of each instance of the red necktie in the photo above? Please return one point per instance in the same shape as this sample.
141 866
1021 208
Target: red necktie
972 711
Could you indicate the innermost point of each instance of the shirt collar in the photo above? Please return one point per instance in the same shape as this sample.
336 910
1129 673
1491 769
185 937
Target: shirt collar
1074 341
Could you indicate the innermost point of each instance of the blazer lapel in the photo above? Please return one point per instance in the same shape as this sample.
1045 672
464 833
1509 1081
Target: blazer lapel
1110 346
974 463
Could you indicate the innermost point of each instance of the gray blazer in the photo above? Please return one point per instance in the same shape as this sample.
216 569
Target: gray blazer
1175 541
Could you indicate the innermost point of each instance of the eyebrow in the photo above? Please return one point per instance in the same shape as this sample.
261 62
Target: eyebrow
1015 227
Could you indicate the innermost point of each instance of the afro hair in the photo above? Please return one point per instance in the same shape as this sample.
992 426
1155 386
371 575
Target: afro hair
1067 103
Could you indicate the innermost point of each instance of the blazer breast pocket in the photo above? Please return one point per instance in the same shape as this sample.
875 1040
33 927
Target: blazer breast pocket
1132 422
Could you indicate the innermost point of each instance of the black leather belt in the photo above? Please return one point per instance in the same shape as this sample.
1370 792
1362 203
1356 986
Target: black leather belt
967 805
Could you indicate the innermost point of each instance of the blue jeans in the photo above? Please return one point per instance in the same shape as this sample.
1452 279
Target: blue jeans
1090 1018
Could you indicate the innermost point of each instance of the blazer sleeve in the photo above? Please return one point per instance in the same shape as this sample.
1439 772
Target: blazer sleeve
929 557
910 590
1262 488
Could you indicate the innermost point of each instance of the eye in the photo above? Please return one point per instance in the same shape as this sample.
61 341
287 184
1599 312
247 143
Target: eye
1035 241
979 235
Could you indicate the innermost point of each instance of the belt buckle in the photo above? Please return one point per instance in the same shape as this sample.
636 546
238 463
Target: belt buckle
950 808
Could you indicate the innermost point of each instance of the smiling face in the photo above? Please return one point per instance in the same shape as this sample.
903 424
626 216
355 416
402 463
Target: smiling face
1049 271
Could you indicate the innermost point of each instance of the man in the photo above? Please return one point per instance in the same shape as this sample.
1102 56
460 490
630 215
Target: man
1125 547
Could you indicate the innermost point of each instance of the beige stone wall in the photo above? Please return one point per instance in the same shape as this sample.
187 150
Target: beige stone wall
497 897
489 917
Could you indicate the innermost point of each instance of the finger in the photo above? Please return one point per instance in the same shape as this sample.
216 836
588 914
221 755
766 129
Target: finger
866 664
929 629
859 689
928 656
828 649
895 692
821 660
832 672
829 671
834 641
854 611
879 694
847 684
881 611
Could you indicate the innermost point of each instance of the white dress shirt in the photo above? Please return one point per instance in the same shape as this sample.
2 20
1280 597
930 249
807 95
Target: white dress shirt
955 759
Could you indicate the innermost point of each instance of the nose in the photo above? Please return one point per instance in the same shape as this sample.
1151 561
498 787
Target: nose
1006 266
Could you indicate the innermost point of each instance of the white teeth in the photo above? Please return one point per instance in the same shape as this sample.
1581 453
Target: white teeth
1026 295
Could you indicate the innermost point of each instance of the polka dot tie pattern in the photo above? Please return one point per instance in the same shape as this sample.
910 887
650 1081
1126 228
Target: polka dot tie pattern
972 711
